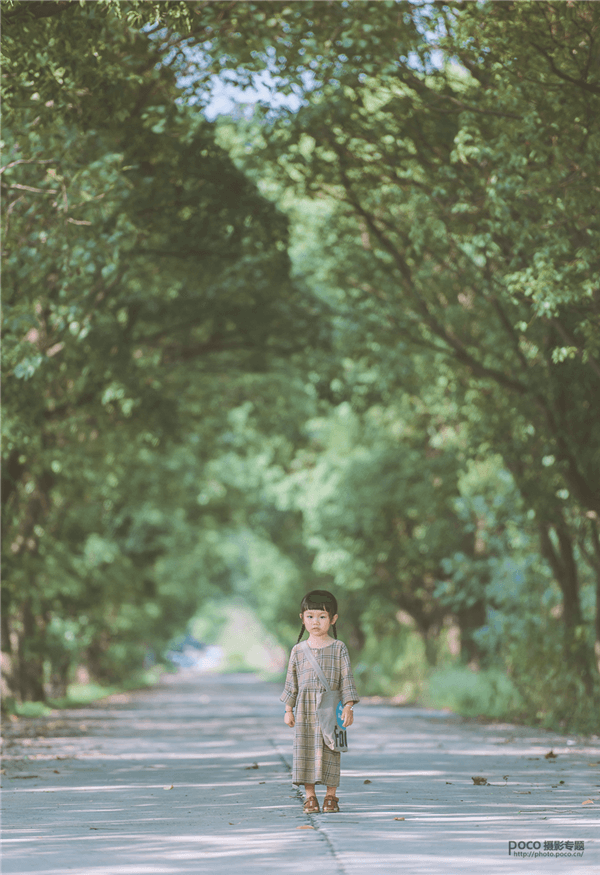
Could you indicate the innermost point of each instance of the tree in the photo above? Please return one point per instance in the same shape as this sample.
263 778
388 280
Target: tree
452 150
468 220
138 261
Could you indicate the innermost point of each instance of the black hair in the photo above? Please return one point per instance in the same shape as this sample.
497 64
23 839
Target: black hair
318 600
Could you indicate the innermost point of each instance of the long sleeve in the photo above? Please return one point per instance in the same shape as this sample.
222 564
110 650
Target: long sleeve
348 687
290 689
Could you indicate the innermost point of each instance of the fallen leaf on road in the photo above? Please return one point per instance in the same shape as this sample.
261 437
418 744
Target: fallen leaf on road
588 802
305 826
550 755
399 818
56 772
168 788
479 781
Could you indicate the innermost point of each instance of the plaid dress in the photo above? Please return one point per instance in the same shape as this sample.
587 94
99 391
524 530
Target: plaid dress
314 762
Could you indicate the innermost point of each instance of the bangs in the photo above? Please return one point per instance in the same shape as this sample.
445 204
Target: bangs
319 600
318 606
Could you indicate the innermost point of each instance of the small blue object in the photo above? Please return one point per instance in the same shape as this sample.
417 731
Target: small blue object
338 715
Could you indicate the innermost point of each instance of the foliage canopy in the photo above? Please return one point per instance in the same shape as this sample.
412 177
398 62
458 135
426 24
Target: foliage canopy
358 335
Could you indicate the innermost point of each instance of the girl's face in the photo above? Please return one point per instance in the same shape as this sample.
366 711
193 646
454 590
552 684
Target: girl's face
318 622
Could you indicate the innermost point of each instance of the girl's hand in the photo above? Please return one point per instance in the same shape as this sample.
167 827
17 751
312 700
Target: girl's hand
289 718
347 716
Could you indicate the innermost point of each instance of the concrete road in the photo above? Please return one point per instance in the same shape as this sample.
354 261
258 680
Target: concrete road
194 777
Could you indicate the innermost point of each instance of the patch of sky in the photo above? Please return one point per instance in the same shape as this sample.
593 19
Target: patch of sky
225 95
233 90
237 91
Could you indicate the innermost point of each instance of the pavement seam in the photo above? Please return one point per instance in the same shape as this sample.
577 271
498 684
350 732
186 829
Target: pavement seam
329 843
313 818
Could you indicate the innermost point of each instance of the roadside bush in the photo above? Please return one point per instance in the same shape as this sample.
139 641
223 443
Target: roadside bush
487 693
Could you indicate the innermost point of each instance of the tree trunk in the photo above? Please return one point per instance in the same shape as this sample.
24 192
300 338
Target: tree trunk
431 637
59 679
596 546
9 681
31 663
469 621
355 638
564 567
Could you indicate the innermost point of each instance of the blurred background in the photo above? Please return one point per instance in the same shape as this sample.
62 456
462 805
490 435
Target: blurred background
303 295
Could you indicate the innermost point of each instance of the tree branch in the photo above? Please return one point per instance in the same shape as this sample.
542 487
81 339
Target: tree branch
580 83
460 351
570 339
38 9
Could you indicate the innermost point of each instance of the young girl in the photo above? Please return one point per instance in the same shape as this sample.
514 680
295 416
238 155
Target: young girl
314 761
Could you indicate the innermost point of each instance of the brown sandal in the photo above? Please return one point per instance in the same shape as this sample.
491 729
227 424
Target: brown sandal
330 805
311 806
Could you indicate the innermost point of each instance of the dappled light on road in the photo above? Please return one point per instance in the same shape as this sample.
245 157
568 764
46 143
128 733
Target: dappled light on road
194 778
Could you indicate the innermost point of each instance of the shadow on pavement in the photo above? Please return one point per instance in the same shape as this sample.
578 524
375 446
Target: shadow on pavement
193 777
